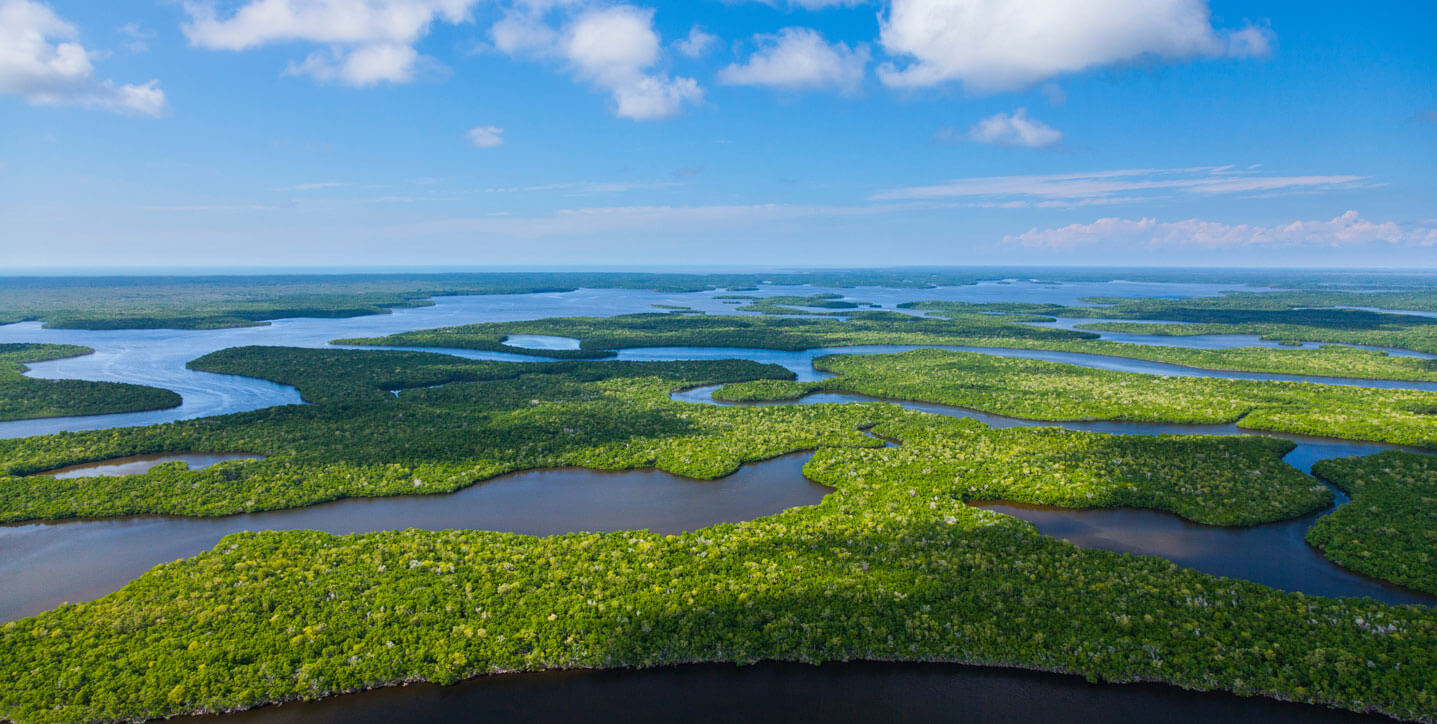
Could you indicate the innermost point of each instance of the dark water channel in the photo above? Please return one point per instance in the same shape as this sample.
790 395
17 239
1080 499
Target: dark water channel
1274 554
42 564
786 692
45 564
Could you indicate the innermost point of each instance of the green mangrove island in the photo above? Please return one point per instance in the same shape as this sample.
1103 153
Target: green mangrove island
892 565
24 398
603 336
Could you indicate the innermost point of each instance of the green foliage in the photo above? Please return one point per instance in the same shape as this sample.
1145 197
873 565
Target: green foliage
234 301
1389 529
599 336
1291 317
228 301
1040 390
894 565
1328 361
786 304
961 325
359 439
23 398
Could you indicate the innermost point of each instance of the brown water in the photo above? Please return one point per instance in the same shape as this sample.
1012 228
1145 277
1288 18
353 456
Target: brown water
136 464
44 564
869 692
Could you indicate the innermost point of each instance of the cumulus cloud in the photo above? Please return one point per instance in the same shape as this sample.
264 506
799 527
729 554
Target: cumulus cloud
614 48
1014 129
799 59
999 45
1347 230
41 62
485 136
1116 186
696 44
368 41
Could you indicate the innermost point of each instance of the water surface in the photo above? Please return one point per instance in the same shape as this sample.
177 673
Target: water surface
1273 554
136 464
788 692
45 564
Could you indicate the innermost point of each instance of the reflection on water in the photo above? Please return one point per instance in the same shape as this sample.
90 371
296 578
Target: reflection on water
136 464
1274 554
771 691
44 564
540 341
157 357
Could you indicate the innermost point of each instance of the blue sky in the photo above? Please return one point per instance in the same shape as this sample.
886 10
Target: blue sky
482 133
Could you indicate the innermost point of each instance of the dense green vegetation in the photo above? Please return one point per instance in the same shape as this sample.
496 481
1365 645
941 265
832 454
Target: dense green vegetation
790 304
1421 297
893 565
601 336
23 398
228 301
236 301
1040 390
1334 360
358 439
457 422
1287 317
1389 529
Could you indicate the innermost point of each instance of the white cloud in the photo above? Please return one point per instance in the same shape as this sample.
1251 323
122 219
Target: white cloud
41 62
363 66
519 33
696 44
998 45
485 136
369 41
1014 129
1346 230
1116 186
138 37
611 48
797 59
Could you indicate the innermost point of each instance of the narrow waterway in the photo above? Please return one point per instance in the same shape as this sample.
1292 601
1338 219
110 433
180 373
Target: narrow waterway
46 564
157 357
1273 554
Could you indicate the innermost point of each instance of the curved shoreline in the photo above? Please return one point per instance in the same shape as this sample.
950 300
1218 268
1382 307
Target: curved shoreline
1122 544
42 573
999 685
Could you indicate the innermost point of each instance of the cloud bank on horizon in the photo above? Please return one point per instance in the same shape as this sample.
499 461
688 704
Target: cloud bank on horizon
974 130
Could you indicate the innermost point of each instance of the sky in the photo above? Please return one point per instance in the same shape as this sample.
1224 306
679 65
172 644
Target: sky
473 134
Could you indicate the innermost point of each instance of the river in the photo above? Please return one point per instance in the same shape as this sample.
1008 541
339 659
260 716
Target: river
76 560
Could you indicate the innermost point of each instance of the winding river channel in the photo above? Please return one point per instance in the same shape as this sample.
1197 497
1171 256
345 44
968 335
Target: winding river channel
44 564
